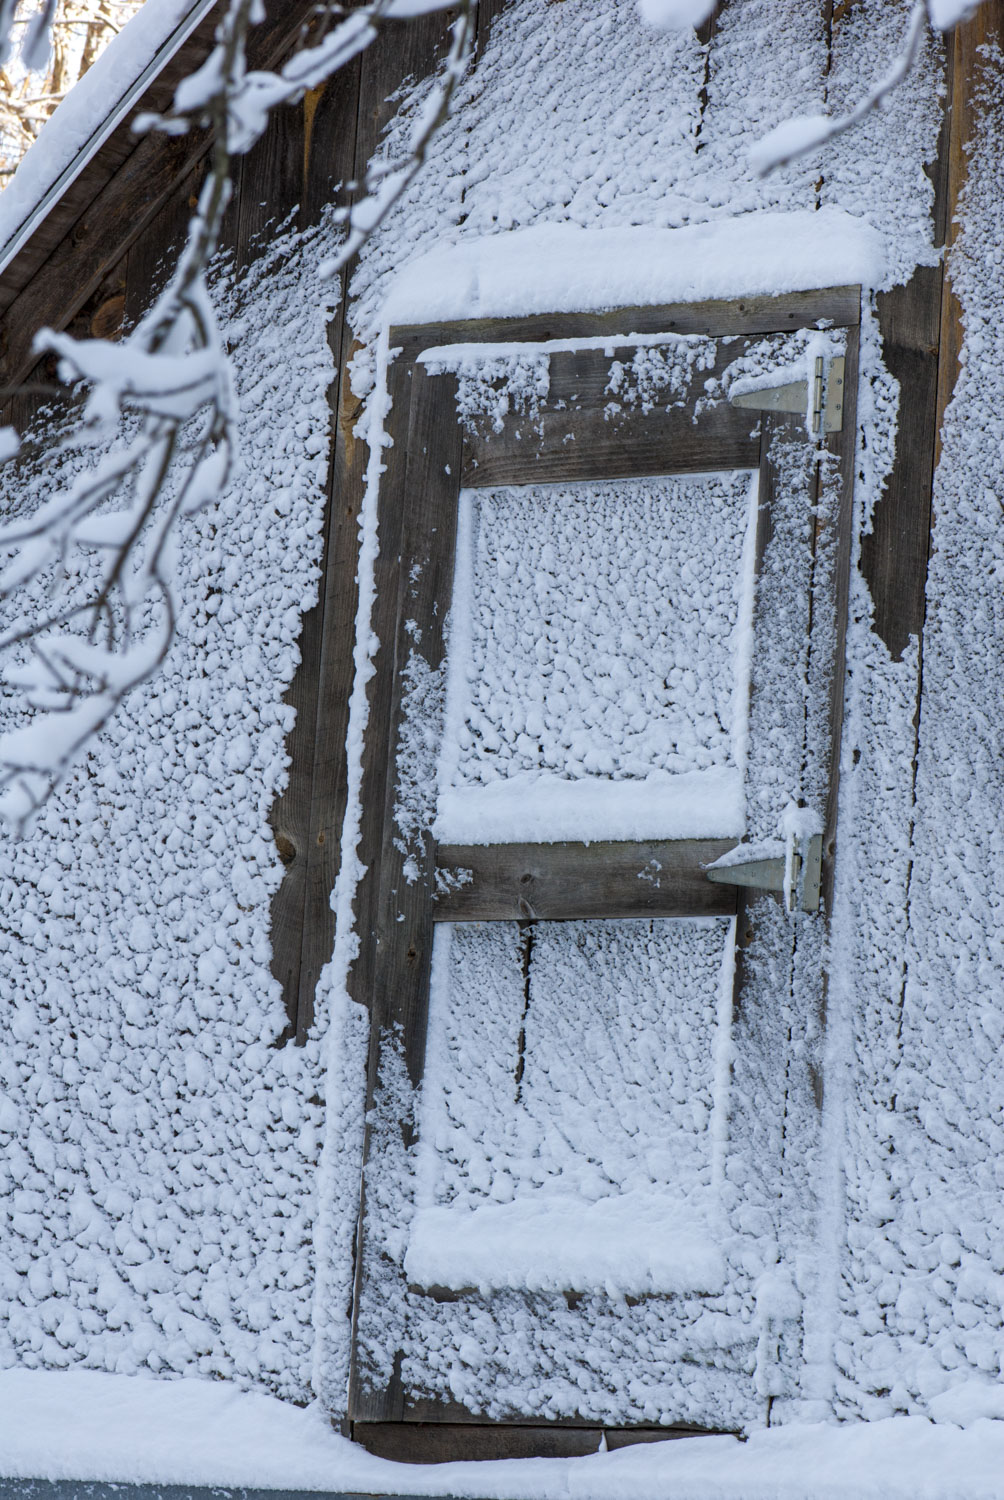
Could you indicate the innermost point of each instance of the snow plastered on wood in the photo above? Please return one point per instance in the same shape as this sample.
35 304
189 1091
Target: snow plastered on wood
599 662
97 1426
158 1157
564 268
649 174
141 959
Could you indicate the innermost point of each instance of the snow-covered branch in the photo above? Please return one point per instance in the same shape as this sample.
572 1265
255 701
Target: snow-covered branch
798 137
162 408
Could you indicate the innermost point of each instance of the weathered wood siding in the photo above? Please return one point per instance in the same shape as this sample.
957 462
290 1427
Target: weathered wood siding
105 248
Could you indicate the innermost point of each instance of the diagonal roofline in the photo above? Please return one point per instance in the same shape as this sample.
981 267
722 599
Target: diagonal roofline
90 113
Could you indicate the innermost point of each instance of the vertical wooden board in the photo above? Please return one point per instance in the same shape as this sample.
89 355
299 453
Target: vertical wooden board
152 257
418 524
984 29
271 182
330 121
488 13
327 649
894 552
406 50
843 446
425 509
337 130
307 816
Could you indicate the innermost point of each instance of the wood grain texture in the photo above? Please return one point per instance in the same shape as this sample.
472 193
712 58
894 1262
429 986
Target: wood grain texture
839 306
843 446
984 29
417 529
557 882
894 552
67 210
912 318
84 239
583 429
323 144
657 443
150 259
488 13
307 817
413 1442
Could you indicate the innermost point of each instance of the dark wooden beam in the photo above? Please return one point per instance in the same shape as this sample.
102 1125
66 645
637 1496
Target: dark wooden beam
510 882
444 1442
340 127
662 443
970 44
839 306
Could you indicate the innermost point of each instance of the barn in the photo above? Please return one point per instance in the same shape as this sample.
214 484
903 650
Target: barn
525 975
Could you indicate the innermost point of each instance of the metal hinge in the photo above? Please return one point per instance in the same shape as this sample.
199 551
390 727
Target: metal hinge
827 411
768 874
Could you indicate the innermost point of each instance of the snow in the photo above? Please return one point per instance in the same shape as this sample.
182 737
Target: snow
165 1208
629 1245
568 268
948 13
667 14
538 807
598 659
91 1426
573 1170
157 1180
89 113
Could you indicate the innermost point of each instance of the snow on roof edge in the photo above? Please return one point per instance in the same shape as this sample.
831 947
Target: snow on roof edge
92 109
554 268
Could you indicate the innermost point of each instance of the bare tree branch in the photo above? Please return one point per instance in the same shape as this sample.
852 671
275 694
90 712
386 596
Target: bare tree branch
104 544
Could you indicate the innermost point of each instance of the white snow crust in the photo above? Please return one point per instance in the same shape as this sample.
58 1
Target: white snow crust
90 1426
158 1154
631 1245
566 1110
598 661
567 268
165 1212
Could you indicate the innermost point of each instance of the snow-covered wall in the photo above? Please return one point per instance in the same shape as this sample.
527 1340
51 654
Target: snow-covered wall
160 1154
157 1151
923 1264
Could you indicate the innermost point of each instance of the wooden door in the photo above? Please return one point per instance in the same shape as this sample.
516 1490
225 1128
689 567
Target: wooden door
610 604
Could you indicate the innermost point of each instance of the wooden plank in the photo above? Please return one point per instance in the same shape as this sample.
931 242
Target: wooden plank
971 41
556 882
323 144
657 443
116 218
151 258
589 426
487 15
839 306
271 183
313 810
326 142
445 1442
894 552
843 445
82 191
415 575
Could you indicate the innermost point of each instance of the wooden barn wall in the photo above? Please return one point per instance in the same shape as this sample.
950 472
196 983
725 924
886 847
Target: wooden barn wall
98 277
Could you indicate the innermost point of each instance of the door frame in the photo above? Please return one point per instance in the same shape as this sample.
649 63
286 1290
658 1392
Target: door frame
429 459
